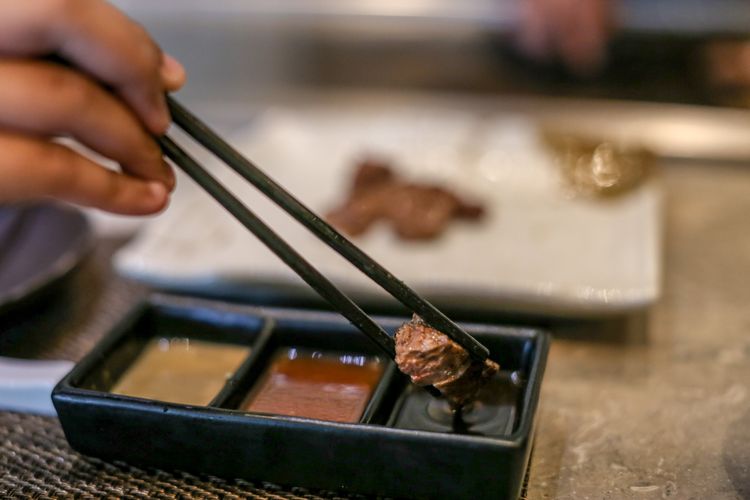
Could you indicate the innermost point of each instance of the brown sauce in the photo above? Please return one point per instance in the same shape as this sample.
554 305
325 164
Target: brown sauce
313 384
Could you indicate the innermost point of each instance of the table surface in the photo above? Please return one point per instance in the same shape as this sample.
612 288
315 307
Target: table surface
654 406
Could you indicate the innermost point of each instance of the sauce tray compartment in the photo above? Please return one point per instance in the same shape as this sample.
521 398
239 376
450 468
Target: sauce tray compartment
324 367
362 427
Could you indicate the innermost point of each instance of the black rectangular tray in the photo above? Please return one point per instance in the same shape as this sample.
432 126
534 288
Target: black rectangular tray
372 456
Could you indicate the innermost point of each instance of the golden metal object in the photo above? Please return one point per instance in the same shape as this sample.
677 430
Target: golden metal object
599 168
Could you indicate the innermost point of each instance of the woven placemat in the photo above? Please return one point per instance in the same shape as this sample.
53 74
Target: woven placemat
36 462
35 459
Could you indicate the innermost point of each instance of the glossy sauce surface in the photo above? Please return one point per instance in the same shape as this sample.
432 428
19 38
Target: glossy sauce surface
181 370
494 413
324 385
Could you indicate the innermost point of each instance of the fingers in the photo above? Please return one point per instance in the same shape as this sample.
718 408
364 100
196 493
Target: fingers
33 168
99 39
583 32
46 100
113 102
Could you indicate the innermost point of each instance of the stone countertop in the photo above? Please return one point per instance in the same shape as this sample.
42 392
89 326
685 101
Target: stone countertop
659 406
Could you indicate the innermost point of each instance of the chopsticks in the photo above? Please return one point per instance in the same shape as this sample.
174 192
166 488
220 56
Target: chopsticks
277 245
326 233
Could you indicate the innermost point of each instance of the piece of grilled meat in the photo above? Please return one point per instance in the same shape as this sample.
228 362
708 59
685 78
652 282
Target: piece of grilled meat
415 211
429 357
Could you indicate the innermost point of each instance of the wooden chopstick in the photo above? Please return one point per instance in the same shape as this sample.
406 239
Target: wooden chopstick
325 232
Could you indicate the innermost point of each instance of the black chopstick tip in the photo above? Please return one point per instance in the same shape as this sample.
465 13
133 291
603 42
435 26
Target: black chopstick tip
433 391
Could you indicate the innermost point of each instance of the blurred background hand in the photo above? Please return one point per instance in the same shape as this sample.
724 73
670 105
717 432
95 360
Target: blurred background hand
575 32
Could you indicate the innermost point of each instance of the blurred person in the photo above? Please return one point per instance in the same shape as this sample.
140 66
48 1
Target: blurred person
109 96
576 32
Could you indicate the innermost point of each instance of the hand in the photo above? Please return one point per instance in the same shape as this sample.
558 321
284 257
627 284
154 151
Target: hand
576 31
728 64
109 98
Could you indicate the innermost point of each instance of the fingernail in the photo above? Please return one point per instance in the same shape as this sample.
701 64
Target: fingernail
157 190
172 71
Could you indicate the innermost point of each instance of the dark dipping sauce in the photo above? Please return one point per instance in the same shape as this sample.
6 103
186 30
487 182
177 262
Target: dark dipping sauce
323 385
493 413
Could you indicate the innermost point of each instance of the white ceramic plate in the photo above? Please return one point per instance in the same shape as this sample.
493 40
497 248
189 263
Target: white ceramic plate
540 250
